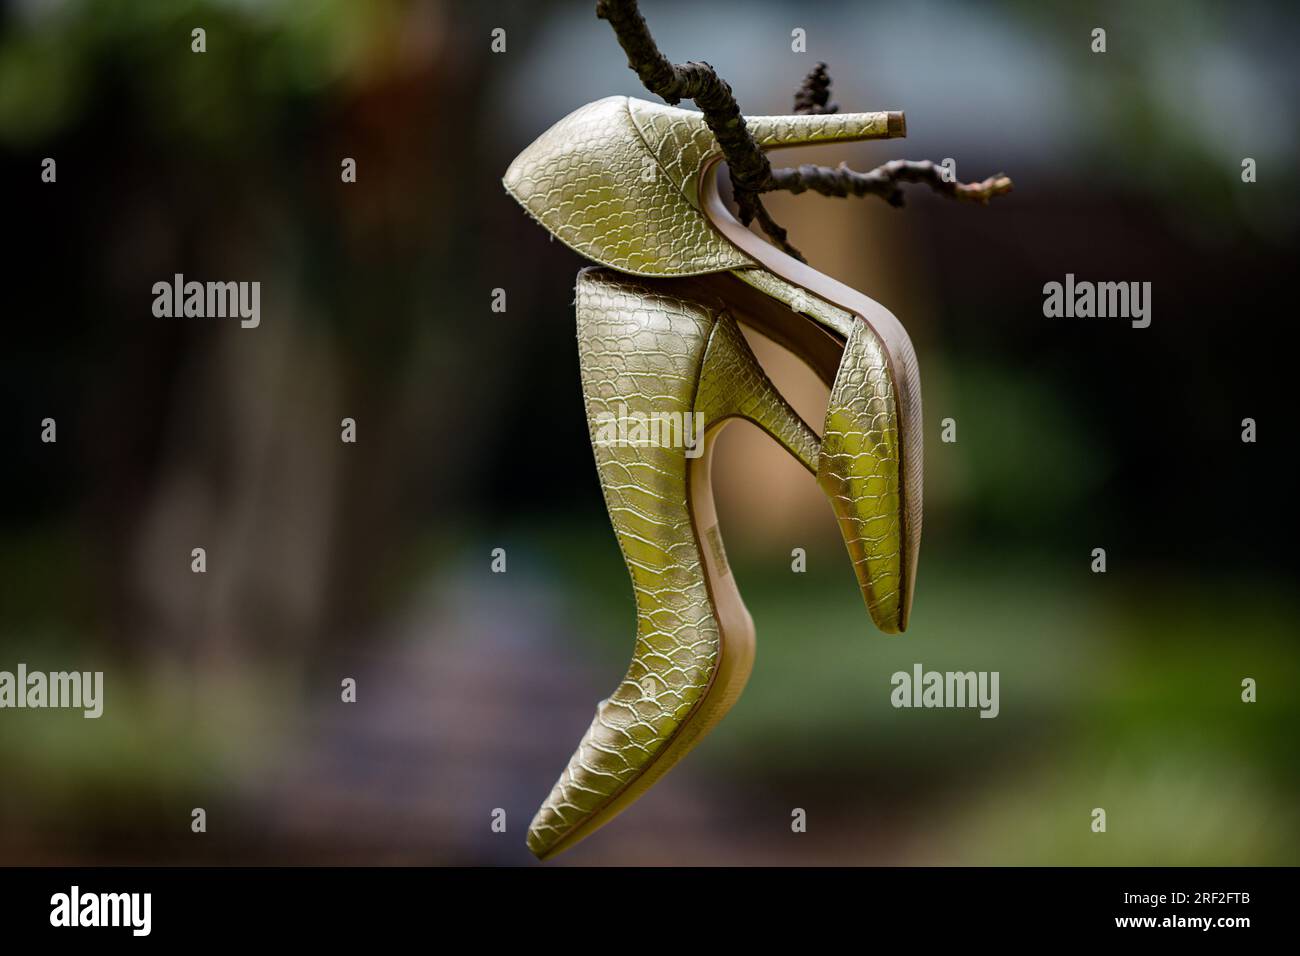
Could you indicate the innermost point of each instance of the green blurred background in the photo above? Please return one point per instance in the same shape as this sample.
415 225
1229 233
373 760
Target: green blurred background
371 560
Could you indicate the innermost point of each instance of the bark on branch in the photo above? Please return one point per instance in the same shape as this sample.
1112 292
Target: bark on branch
884 181
749 167
813 95
751 173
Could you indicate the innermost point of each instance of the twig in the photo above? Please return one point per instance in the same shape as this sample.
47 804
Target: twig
883 181
750 170
751 173
749 167
815 92
777 232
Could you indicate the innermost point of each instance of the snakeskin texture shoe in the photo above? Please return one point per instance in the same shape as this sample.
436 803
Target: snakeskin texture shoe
633 186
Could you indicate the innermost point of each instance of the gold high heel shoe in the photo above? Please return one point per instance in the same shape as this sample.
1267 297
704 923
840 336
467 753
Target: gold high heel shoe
633 186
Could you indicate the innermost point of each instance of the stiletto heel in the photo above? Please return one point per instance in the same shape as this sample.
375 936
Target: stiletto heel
633 186
734 385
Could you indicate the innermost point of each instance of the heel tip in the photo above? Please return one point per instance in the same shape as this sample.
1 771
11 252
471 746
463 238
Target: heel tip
897 124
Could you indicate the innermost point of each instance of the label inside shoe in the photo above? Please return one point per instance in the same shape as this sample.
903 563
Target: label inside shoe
715 548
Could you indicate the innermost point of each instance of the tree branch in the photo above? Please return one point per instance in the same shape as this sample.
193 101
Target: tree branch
749 167
884 181
751 173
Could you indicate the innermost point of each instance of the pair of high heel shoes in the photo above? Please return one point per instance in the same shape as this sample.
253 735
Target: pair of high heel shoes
633 186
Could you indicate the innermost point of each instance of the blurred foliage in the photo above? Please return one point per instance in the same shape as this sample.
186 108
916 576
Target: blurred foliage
265 61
